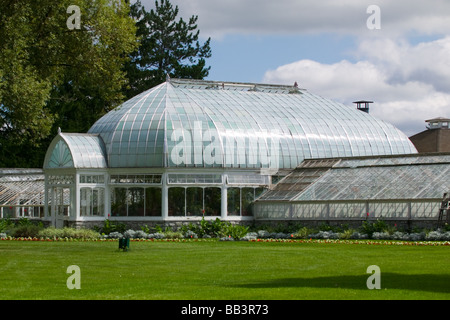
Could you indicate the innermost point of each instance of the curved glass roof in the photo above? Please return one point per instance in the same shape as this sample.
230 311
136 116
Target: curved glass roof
194 123
76 150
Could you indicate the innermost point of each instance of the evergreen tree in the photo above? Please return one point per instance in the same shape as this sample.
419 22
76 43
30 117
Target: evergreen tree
167 47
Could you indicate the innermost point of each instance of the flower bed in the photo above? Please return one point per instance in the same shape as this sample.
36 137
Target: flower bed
293 241
376 232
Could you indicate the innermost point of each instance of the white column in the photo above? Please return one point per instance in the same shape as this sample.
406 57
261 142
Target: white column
224 202
75 198
107 196
46 213
53 208
165 198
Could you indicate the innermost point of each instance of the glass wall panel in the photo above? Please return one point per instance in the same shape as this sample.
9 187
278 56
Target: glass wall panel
388 210
259 192
424 210
248 196
137 178
194 201
85 201
234 201
272 210
8 212
136 201
85 178
153 200
309 210
92 202
119 202
212 201
176 199
347 210
98 201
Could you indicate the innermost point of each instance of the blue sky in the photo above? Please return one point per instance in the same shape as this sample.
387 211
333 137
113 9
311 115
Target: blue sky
329 49
246 58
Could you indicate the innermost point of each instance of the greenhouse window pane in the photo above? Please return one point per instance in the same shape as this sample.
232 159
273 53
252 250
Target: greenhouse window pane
234 201
176 199
136 202
194 201
118 202
153 202
212 201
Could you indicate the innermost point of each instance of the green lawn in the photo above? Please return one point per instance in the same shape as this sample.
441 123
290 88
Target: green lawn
212 270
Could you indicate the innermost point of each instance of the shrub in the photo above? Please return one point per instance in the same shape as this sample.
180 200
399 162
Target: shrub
129 234
415 236
250 236
141 234
189 234
213 228
438 236
6 224
234 231
82 233
229 238
381 236
303 233
26 231
346 234
86 234
110 226
157 235
370 227
173 235
324 235
115 235
263 234
356 236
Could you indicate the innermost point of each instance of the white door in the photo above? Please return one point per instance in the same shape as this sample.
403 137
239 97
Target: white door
60 205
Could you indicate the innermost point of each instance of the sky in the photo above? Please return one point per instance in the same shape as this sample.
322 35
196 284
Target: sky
394 53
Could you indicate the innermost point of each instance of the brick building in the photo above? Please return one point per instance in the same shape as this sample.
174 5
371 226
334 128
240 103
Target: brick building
435 139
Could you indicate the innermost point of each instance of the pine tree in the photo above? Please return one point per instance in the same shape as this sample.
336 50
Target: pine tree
167 47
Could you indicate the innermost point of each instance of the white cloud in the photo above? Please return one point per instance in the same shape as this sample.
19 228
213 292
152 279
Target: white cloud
218 18
409 84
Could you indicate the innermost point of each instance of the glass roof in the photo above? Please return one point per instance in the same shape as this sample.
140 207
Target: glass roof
21 187
193 123
76 150
384 178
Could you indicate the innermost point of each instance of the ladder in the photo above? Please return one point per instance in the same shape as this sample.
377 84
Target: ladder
444 210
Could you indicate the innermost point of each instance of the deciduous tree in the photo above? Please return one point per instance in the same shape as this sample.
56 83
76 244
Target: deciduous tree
54 76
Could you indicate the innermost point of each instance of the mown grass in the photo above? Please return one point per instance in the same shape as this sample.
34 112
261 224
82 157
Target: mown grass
213 270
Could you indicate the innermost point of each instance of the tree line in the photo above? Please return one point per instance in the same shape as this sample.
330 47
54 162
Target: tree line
52 76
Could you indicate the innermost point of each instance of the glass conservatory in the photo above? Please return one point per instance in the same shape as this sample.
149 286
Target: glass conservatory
187 149
21 193
401 188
